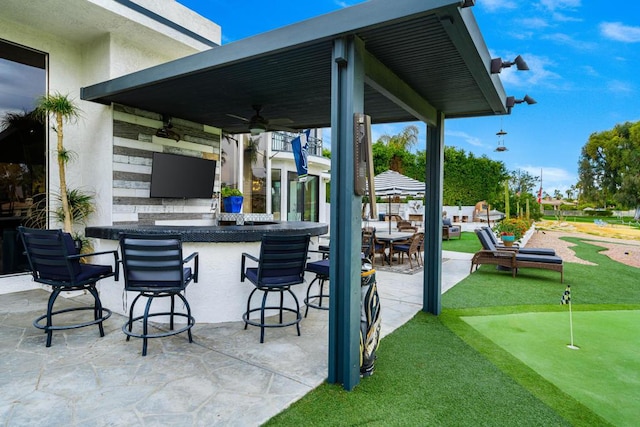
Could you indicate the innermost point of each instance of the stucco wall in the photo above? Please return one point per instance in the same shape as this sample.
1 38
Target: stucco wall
76 62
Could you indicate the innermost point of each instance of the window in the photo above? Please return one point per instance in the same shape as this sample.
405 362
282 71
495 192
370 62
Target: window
23 79
255 175
276 193
303 198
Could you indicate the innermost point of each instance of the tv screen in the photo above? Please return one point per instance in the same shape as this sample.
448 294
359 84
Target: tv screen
183 177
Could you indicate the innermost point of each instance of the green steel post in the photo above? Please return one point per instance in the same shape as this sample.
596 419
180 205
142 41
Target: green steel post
433 218
347 98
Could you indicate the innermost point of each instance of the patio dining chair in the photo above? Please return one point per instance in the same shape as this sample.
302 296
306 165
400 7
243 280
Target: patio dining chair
54 261
411 247
280 266
153 267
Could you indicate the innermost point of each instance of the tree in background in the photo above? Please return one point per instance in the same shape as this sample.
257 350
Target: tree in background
522 188
609 167
469 179
393 152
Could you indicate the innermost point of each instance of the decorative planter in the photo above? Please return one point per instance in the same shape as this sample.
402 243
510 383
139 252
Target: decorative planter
508 240
232 204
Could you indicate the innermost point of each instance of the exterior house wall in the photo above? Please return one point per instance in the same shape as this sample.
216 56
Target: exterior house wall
134 142
88 41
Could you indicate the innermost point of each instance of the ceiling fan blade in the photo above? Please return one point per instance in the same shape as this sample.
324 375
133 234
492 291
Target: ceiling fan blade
282 128
281 121
238 117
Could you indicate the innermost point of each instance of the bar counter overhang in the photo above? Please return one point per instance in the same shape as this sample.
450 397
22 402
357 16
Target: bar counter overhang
219 296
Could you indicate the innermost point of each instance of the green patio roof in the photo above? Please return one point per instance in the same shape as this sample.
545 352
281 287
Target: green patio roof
417 51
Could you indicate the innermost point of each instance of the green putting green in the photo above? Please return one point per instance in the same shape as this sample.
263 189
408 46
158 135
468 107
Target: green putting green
603 374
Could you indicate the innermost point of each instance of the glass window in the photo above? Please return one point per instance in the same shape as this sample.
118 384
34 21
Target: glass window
255 175
303 198
22 149
276 193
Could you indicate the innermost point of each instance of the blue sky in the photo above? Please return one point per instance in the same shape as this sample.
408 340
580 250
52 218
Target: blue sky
584 60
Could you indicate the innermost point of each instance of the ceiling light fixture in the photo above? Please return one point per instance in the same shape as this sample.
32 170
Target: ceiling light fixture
497 64
257 124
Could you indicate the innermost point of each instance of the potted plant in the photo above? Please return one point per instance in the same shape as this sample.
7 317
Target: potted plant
508 238
232 200
510 230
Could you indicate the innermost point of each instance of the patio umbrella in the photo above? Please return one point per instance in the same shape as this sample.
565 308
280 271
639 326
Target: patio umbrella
392 183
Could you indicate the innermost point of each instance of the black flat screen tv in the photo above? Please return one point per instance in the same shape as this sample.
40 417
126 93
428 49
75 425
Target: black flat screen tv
182 177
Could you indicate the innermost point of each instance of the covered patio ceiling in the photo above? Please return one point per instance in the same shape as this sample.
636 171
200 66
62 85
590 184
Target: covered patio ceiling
421 57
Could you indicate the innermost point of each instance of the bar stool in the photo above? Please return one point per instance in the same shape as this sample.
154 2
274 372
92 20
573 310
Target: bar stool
321 269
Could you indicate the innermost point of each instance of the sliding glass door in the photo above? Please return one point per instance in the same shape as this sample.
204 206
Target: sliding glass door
23 79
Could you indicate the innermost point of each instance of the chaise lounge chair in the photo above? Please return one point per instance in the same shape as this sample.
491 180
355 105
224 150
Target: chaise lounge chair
512 259
449 230
530 251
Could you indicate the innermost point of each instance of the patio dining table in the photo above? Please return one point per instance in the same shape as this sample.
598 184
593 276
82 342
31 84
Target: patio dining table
392 237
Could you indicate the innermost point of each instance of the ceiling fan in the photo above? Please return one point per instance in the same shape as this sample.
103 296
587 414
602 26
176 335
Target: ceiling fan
258 124
166 131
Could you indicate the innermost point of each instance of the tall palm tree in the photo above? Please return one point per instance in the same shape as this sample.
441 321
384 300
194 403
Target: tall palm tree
62 109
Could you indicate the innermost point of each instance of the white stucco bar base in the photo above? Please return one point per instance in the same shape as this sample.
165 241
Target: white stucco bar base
219 296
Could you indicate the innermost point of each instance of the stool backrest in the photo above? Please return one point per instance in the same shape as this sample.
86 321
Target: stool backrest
283 259
48 252
152 262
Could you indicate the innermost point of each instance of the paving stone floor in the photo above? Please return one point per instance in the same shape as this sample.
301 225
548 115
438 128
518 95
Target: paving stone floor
225 377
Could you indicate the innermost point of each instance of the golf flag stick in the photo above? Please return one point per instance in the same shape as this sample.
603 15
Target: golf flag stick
566 299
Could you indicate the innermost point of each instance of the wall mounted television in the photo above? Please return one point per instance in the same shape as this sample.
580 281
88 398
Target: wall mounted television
182 177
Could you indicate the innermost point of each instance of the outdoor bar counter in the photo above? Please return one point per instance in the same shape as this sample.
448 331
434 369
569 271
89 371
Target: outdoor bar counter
219 296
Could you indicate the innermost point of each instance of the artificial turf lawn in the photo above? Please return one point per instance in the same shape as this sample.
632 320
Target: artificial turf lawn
602 374
425 376
441 371
468 243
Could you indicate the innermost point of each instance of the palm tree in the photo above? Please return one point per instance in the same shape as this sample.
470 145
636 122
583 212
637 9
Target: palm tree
400 144
62 109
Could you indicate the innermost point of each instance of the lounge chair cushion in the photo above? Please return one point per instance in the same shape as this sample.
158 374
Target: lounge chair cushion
531 251
539 258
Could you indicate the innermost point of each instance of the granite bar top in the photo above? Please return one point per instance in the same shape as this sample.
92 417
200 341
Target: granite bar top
249 232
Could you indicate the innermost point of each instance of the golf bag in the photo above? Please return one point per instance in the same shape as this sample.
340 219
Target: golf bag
369 319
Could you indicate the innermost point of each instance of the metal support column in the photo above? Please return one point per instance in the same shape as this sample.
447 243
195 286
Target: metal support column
347 98
431 295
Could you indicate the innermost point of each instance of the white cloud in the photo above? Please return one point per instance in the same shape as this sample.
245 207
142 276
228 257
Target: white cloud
590 71
553 5
469 139
552 178
619 87
498 5
561 17
619 32
567 40
535 23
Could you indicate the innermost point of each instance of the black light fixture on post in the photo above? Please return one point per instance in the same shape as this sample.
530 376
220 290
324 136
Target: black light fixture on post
497 64
511 101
